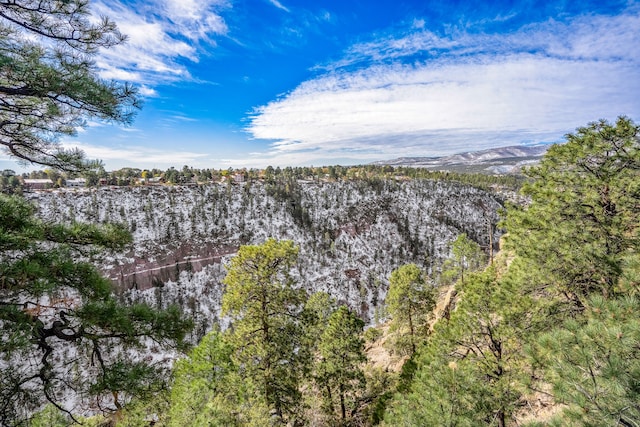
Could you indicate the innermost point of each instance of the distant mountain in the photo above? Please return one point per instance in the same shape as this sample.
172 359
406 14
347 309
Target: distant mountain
503 160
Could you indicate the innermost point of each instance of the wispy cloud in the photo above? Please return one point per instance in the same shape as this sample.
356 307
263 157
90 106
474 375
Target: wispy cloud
182 118
147 91
423 93
162 34
279 5
131 155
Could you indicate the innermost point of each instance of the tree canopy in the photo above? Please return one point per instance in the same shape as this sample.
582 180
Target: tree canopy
554 320
65 337
339 373
581 226
409 302
49 84
267 329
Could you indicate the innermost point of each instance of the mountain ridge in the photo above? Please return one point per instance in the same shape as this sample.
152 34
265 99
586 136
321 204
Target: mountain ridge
501 160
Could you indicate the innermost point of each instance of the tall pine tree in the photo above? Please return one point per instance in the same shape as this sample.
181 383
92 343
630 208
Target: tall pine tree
267 329
582 222
471 371
339 373
409 302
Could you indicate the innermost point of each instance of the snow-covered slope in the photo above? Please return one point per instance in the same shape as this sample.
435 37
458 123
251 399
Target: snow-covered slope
351 234
502 160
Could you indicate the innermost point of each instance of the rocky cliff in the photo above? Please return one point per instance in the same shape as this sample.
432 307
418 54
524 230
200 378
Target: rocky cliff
351 234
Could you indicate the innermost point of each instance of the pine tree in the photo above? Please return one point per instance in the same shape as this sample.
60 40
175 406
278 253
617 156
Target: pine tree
339 373
467 255
208 388
568 294
315 318
594 363
49 84
577 248
409 302
582 220
64 334
472 370
267 330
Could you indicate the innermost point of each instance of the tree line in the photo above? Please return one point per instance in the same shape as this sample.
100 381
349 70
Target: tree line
13 183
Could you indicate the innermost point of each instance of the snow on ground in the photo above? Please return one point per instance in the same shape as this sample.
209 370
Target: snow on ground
351 234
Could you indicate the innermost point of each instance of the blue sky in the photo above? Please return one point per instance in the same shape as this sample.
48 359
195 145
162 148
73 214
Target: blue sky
251 83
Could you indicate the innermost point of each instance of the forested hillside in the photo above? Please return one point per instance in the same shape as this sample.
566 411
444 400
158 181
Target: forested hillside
351 233
330 296
550 334
547 334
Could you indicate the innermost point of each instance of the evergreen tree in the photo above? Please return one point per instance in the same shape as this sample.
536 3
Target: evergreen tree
582 220
594 363
339 372
576 242
409 301
472 371
317 311
208 389
267 330
467 255
49 417
48 81
64 334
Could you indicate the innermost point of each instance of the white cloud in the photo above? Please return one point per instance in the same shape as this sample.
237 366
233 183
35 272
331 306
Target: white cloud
116 158
179 118
161 34
425 94
279 5
197 18
147 91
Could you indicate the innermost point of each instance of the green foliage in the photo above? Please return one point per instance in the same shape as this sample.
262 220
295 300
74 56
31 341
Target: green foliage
48 82
261 371
141 413
253 374
372 335
315 318
381 384
568 293
53 306
267 328
593 363
467 255
470 372
208 388
582 219
317 311
338 373
50 416
10 183
288 191
199 378
409 301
